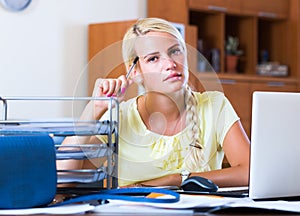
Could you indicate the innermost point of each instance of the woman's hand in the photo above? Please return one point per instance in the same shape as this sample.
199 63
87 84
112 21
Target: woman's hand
108 88
111 87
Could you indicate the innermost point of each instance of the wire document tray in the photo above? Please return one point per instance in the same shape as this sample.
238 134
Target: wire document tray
105 152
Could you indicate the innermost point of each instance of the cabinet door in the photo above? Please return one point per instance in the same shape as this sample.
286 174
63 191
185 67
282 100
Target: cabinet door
239 95
105 52
266 8
171 10
234 6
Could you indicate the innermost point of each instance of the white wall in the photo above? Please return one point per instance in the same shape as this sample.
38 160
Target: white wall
43 49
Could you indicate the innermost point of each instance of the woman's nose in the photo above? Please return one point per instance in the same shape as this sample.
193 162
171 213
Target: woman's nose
169 63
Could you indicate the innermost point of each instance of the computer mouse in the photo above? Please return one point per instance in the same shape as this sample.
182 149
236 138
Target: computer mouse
198 183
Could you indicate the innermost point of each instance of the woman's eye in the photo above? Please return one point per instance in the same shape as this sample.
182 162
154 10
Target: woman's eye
176 51
152 59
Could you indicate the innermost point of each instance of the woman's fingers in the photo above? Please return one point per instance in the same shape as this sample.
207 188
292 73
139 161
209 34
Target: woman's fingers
124 85
111 87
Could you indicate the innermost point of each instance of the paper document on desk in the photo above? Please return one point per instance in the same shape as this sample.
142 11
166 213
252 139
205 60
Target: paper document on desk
188 203
62 210
131 208
288 206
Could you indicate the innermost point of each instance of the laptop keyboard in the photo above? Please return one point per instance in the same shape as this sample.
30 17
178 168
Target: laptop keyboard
233 193
226 192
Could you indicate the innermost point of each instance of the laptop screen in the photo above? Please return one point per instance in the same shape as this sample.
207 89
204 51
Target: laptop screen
275 145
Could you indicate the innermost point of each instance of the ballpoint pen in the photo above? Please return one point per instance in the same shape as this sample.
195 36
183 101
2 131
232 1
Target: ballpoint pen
129 71
132 66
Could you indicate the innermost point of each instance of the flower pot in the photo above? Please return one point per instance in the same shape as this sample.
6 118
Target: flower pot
231 63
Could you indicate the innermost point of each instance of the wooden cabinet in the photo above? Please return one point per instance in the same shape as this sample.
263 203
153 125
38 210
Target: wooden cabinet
271 27
218 19
266 8
256 35
272 37
214 28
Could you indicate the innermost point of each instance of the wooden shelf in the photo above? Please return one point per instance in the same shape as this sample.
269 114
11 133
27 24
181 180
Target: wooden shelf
257 78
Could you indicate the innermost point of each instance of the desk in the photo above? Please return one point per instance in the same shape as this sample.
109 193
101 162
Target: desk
195 214
202 205
164 212
223 206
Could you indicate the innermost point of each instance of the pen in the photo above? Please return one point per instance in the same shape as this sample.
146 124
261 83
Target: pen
129 71
132 66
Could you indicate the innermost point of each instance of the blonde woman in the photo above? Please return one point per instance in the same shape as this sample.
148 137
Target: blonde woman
169 132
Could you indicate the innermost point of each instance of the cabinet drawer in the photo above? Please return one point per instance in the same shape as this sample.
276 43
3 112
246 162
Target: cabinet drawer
217 5
266 8
233 6
274 86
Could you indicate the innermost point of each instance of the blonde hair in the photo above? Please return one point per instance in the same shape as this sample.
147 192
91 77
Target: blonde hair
142 27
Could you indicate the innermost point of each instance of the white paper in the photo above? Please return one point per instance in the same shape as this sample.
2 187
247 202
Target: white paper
189 202
290 206
65 209
193 201
136 208
184 205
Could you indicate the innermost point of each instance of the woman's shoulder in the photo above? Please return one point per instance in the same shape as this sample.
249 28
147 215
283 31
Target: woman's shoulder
128 103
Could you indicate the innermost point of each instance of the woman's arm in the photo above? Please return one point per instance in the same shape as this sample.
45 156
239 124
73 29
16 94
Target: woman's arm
94 111
236 147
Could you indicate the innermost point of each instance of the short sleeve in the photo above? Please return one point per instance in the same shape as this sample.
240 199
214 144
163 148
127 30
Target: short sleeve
226 118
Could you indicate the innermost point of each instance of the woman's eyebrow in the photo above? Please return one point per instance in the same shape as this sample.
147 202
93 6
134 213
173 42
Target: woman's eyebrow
175 45
157 52
150 54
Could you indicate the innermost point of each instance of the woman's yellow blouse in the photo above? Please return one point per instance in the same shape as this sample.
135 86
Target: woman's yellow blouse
145 155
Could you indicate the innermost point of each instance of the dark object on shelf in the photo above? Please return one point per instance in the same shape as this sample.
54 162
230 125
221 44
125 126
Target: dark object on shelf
215 59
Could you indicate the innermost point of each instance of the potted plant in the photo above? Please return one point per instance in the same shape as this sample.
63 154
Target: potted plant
232 54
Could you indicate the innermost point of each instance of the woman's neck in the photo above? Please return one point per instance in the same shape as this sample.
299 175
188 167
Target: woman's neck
162 114
171 106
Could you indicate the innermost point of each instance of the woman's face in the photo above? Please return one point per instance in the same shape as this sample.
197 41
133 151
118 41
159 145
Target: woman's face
162 62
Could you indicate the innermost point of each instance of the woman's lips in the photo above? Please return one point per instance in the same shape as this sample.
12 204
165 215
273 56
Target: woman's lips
173 75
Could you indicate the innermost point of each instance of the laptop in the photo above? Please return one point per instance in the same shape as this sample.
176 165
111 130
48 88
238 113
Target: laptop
275 145
275 148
